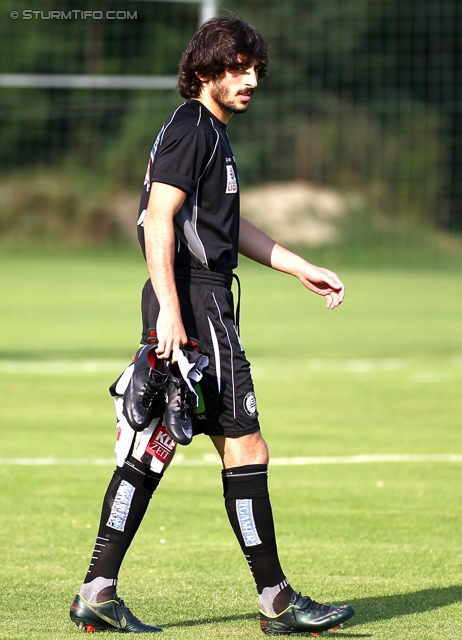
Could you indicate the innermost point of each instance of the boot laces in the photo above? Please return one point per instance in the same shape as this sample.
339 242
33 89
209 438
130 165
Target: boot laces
152 387
187 398
312 605
123 606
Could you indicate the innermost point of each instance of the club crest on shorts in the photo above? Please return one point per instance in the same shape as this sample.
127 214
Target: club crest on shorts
250 405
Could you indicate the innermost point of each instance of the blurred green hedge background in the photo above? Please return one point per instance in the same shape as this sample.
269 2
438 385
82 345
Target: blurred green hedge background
357 131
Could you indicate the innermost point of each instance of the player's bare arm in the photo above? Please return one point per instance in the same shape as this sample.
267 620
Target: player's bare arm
164 202
258 246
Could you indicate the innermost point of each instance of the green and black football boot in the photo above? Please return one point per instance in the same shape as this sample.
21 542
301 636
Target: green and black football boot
112 615
305 616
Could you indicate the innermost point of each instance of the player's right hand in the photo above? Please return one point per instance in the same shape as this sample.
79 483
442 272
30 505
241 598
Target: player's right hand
170 334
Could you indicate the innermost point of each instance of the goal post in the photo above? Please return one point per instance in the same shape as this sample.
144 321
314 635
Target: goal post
207 9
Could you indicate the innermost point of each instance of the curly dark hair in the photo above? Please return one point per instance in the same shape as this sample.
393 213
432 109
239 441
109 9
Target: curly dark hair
221 43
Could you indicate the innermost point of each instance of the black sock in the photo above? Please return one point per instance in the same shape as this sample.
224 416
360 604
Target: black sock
249 511
125 503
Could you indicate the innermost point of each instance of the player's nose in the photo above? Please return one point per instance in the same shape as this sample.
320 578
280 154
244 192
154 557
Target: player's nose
252 77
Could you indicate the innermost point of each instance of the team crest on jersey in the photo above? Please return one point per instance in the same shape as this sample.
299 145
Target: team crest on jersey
231 179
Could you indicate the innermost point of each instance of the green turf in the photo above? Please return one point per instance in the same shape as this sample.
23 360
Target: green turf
380 375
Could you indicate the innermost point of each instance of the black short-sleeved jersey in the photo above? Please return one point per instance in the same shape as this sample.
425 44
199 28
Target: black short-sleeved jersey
192 152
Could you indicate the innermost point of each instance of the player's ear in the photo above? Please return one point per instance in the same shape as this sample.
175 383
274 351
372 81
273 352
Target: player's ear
203 79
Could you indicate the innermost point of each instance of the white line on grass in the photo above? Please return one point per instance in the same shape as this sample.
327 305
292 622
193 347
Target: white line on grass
266 368
62 366
212 459
262 368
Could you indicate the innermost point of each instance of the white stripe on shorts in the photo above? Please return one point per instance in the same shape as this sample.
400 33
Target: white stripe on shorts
232 355
216 351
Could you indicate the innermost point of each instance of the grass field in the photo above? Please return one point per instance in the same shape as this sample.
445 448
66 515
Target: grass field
379 377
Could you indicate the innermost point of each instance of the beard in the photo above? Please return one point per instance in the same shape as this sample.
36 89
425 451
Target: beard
222 97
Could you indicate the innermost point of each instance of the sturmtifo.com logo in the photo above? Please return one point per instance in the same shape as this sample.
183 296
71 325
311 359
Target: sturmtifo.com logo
250 405
73 14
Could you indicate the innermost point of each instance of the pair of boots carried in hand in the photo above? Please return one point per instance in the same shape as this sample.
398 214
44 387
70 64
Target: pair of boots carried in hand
159 389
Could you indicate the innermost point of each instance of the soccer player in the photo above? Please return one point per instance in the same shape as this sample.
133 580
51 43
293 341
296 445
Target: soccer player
191 232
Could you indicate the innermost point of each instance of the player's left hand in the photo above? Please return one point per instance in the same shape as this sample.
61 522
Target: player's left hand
323 282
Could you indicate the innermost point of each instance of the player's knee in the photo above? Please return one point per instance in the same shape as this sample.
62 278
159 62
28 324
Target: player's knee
244 450
259 451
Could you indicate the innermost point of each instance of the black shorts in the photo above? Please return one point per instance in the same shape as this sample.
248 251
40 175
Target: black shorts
227 397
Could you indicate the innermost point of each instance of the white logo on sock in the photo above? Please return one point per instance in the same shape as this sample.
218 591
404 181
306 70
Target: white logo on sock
121 506
247 523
